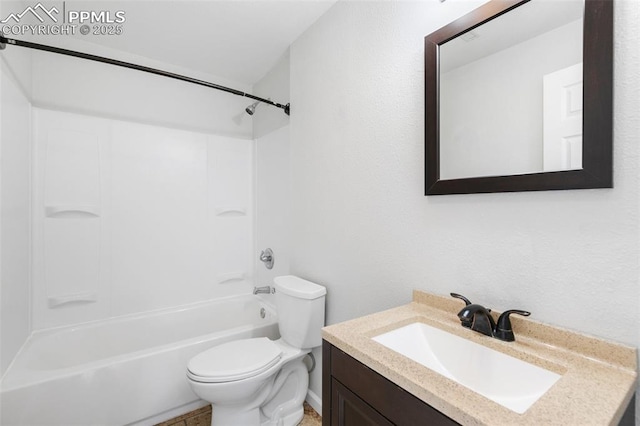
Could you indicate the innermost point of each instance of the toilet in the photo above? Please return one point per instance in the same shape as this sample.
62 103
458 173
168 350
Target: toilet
263 382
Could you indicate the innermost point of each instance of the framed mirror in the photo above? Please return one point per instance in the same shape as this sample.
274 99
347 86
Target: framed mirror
519 97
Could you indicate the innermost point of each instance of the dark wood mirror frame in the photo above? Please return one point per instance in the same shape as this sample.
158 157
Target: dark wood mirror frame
597 126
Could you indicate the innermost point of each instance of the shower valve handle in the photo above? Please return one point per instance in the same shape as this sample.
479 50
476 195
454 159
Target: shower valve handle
267 258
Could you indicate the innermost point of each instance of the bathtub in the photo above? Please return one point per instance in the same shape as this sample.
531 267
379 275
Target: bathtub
126 370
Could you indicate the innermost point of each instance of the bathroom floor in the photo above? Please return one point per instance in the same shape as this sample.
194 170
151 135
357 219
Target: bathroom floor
311 417
202 417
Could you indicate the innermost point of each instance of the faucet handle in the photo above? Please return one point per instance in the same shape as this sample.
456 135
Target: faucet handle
503 330
267 257
466 301
464 321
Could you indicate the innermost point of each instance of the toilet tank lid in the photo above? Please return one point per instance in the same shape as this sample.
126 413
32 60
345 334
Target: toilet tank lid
298 287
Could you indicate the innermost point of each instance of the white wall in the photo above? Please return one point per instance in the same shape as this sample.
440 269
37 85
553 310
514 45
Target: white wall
275 86
273 202
273 187
362 227
15 152
79 85
273 172
130 217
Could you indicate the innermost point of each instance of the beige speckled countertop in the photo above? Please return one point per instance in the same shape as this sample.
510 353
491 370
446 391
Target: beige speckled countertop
598 377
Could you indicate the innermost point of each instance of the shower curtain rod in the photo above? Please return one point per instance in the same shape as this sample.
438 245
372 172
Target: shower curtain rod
5 40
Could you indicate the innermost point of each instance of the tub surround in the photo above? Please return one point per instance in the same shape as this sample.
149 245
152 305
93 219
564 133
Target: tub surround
598 377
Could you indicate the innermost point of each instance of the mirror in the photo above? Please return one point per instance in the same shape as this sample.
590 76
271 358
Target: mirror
519 98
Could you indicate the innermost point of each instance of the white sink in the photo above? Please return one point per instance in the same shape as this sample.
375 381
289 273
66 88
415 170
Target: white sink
512 383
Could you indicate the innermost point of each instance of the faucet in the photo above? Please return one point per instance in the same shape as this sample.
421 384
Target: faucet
264 290
478 318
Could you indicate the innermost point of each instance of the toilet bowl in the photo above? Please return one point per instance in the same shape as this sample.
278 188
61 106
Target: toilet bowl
261 382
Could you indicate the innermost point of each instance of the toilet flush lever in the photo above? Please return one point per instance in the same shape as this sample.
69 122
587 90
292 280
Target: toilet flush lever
267 258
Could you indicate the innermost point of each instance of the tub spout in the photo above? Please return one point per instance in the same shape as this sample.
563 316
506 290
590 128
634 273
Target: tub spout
264 290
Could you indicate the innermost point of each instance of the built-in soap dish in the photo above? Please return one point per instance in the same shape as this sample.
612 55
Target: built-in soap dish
230 211
72 211
231 276
85 297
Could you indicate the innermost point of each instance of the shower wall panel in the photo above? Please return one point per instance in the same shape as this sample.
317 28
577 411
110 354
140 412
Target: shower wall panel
15 232
72 217
131 217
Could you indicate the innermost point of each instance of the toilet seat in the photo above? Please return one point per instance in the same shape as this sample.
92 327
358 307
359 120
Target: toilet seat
234 360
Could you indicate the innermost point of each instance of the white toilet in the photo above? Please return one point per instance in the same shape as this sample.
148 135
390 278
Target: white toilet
253 382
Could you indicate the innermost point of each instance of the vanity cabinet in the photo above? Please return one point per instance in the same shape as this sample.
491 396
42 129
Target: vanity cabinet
355 395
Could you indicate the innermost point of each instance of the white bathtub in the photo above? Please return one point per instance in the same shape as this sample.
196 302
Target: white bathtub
124 370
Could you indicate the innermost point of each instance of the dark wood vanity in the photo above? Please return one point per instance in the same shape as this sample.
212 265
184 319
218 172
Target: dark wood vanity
353 394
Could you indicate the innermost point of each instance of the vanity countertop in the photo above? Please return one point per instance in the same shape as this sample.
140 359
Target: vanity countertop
598 377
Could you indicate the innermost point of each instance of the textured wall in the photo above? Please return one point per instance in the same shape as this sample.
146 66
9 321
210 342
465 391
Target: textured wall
273 172
362 227
275 86
273 203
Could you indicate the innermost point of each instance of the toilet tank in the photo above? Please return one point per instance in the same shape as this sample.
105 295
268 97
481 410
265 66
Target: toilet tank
300 306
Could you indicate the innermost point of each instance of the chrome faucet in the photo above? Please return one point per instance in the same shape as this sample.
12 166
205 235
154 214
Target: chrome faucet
264 290
478 318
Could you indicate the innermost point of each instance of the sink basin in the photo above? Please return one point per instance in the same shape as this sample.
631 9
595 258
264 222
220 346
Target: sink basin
512 383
